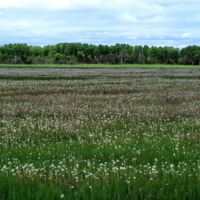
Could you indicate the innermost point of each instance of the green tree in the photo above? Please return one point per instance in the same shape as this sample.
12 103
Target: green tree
80 56
57 57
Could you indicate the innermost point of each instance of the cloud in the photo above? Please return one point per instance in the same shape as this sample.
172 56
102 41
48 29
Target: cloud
21 3
126 17
100 21
186 35
159 19
172 2
73 5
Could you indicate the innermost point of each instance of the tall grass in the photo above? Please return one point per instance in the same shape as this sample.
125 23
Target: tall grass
99 134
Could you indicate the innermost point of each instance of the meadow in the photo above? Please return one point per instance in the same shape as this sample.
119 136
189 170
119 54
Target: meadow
180 66
99 133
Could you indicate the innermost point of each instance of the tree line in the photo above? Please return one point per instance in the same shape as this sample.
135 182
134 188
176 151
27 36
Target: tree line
75 53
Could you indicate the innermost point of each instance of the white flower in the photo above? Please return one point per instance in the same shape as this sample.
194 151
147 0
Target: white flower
62 196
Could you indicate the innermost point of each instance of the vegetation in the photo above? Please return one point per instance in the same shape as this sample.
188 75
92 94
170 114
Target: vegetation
99 133
74 53
98 66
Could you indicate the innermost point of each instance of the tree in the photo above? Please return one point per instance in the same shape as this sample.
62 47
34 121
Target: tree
85 53
190 55
89 59
80 56
71 59
60 58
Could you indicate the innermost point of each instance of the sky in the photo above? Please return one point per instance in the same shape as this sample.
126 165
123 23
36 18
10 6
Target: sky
135 22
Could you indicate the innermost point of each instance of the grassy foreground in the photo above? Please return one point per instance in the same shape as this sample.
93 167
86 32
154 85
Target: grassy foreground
97 66
127 133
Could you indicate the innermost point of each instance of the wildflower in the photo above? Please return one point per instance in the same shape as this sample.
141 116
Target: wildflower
62 196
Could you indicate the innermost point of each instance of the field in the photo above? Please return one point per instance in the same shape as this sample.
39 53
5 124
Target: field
98 66
99 133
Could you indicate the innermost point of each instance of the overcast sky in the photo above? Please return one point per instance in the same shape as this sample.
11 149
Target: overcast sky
134 22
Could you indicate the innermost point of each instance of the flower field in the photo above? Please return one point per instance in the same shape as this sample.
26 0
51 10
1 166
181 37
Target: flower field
99 133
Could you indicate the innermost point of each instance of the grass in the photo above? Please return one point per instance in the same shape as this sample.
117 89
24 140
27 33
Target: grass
97 66
43 78
100 133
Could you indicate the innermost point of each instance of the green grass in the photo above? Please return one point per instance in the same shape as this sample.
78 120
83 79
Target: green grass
97 65
129 133
40 78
